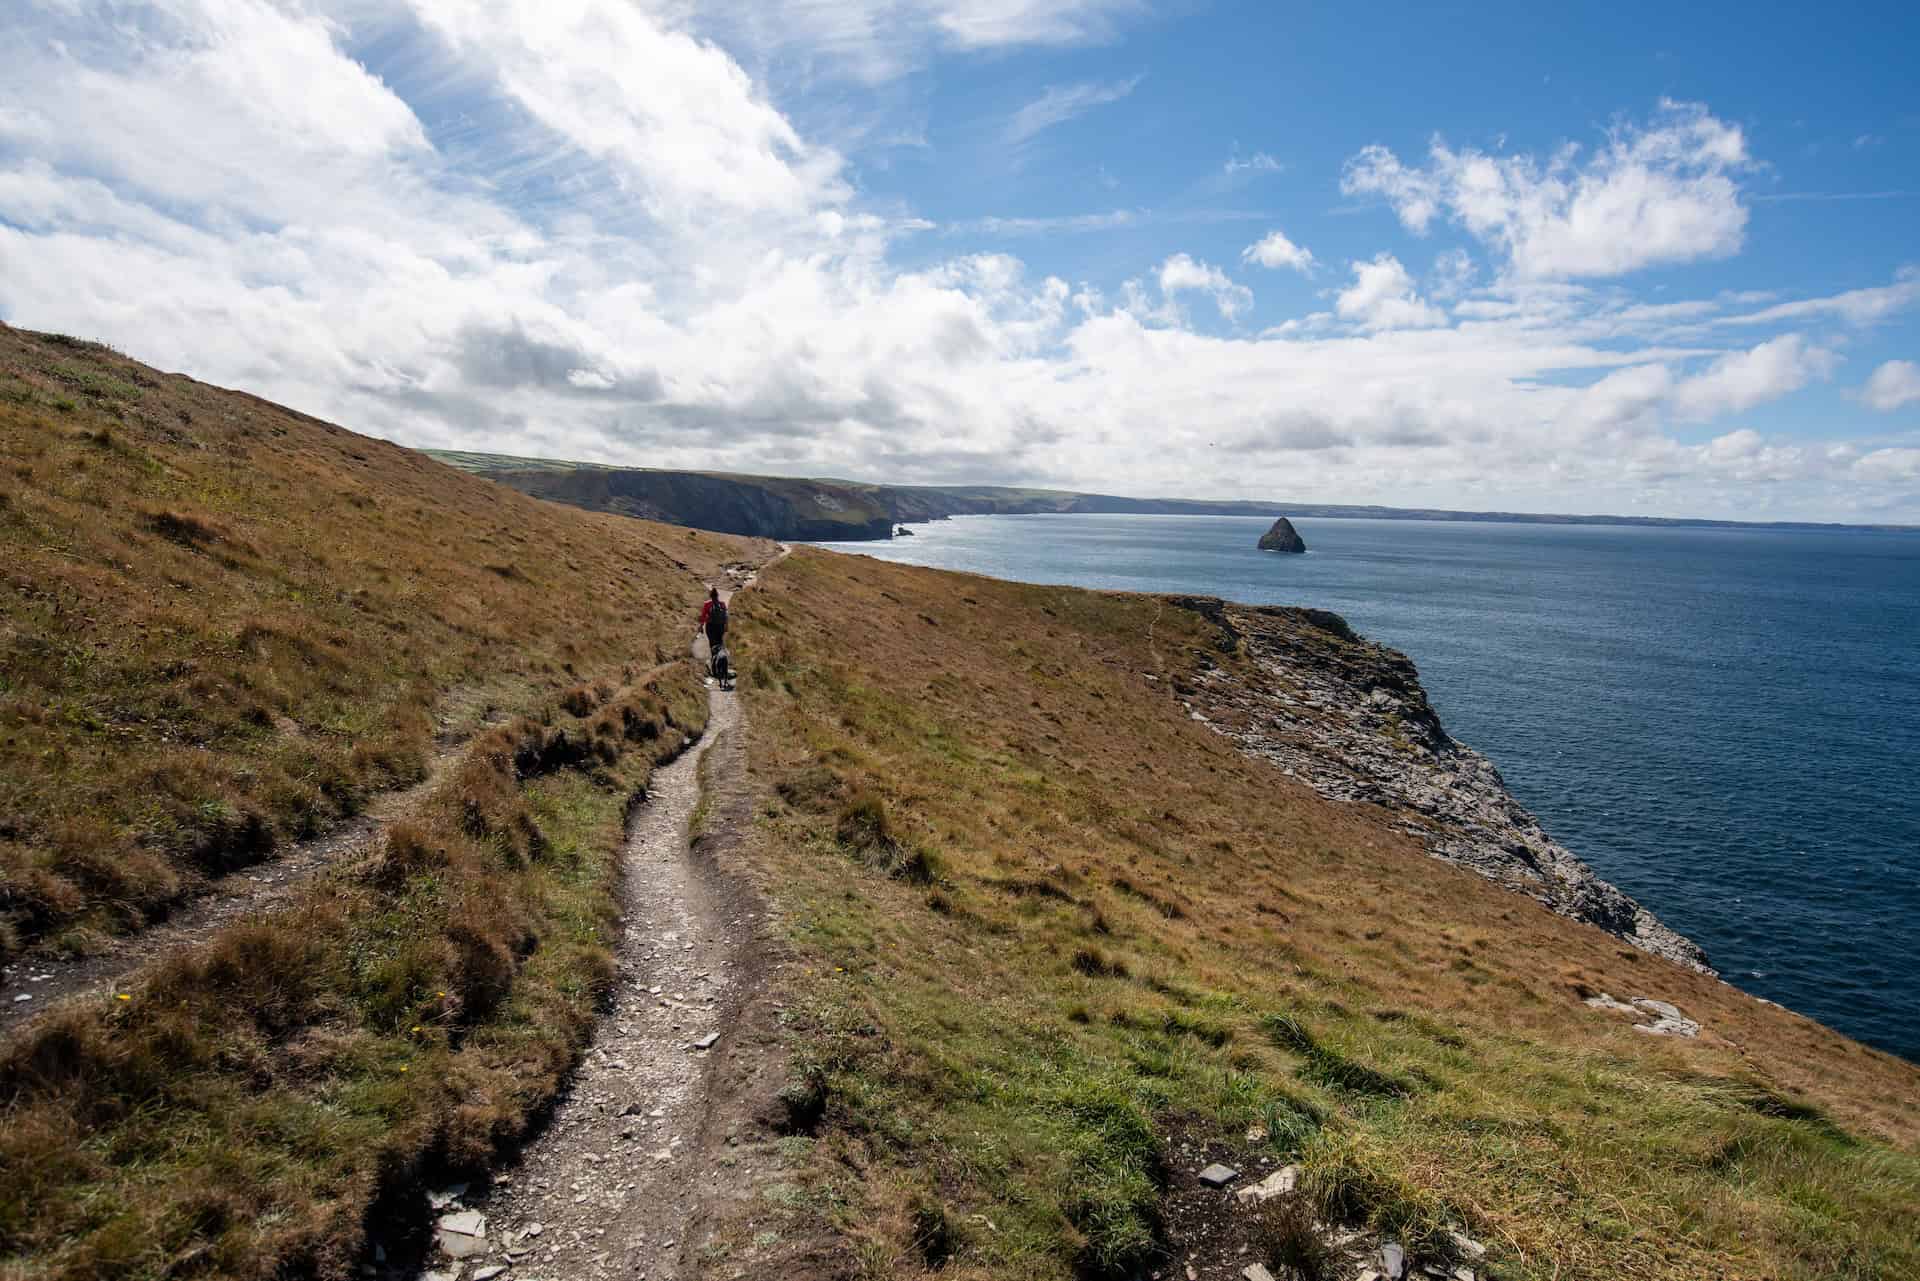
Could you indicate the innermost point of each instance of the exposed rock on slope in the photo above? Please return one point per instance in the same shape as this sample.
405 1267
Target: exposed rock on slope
1283 537
1349 718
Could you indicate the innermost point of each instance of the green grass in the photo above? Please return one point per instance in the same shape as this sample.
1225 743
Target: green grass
1136 934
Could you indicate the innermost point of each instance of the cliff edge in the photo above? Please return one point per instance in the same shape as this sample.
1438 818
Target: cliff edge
1349 718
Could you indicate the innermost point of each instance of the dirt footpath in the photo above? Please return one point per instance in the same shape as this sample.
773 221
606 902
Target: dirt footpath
615 1180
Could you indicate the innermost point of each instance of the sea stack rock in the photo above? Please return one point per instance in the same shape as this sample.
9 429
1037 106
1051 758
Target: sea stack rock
1283 537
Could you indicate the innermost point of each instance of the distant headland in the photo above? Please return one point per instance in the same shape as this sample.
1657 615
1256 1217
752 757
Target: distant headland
818 510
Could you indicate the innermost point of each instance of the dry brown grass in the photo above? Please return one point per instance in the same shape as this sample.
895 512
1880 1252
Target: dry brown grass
223 625
1136 926
236 1113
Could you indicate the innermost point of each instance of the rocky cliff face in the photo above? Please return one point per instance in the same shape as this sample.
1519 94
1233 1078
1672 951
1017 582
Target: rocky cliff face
1349 718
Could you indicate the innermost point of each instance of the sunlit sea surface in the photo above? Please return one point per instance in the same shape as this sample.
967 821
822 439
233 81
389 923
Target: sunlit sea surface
1724 723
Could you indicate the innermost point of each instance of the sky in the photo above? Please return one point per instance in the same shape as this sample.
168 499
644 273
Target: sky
1545 258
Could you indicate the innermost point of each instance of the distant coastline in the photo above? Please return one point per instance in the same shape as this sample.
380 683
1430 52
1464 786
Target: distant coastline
829 510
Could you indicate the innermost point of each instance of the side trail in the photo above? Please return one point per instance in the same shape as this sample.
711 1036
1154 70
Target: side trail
37 983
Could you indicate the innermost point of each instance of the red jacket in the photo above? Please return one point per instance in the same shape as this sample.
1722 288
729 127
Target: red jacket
706 612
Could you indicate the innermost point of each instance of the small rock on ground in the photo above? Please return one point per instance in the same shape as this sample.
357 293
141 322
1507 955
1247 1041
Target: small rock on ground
1218 1176
1279 1183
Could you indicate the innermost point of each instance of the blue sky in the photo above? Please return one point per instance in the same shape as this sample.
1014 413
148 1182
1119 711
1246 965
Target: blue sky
1658 262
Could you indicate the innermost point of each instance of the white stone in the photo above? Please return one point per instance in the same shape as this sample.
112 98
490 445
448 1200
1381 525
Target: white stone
1467 1245
469 1223
1279 1183
458 1245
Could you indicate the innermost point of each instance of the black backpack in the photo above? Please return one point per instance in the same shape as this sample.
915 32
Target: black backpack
717 618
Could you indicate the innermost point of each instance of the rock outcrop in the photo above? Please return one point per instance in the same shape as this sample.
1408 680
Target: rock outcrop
1349 718
1283 537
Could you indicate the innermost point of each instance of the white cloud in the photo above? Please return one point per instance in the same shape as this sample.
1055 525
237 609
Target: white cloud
1258 162
1892 385
1453 273
1741 380
691 137
1898 465
667 270
1181 273
1061 103
996 226
1664 193
1382 297
1276 251
1855 306
881 40
988 24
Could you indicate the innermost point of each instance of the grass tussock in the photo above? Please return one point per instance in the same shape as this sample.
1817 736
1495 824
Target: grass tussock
1293 1243
1219 953
224 626
237 1112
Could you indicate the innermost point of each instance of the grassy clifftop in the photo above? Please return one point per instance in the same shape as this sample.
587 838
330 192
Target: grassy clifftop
1065 943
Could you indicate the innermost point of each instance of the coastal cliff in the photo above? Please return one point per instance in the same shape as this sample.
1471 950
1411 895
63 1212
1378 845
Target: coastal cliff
762 507
1349 718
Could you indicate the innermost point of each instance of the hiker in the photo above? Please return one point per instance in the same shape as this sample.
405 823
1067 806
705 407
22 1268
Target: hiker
713 621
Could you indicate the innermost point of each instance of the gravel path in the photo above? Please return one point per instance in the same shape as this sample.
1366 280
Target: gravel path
614 1183
608 1186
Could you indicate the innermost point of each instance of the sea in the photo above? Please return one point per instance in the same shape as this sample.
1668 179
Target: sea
1725 723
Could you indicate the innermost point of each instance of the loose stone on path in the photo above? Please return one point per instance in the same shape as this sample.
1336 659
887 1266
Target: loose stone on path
1218 1176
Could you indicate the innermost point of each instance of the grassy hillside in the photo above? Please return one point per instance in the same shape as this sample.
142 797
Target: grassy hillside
1063 943
223 627
226 623
1055 942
